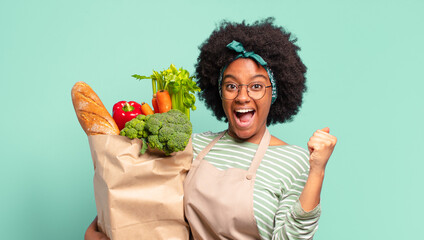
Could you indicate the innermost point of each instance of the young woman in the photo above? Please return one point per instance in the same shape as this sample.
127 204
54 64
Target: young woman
245 183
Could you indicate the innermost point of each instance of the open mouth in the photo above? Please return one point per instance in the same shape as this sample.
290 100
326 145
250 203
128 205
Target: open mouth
244 117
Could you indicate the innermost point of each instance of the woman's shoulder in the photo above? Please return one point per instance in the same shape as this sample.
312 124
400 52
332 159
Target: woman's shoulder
204 135
291 148
278 143
289 156
203 138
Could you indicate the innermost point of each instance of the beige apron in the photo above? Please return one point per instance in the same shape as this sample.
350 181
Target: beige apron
218 204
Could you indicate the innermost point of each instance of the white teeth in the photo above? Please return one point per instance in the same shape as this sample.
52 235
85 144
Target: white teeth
243 110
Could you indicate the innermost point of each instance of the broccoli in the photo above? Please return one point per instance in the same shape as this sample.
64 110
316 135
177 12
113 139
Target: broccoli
168 132
153 124
143 146
129 132
177 141
134 128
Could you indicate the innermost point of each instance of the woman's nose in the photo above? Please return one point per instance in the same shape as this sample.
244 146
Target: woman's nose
243 95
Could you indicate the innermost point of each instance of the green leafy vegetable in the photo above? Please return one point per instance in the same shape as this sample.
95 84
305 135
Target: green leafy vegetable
178 83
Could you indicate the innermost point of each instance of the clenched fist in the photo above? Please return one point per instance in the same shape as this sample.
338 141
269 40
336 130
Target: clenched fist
321 146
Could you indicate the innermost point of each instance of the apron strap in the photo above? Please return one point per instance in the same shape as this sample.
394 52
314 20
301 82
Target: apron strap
260 152
205 151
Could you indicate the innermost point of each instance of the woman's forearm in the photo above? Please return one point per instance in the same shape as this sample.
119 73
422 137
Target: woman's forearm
311 194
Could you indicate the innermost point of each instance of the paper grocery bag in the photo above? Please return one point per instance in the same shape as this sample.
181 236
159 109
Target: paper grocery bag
138 196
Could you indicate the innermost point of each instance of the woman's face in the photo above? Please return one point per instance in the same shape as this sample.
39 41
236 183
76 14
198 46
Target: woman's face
246 116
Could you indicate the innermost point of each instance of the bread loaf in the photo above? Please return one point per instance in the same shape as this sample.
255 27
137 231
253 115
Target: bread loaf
92 114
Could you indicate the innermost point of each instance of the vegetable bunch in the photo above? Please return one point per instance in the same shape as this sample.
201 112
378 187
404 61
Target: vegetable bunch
124 111
180 86
169 132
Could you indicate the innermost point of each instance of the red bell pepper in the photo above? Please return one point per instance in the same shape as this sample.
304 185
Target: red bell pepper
124 111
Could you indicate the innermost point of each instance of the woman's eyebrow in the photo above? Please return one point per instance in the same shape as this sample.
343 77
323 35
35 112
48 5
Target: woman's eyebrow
253 77
228 76
259 76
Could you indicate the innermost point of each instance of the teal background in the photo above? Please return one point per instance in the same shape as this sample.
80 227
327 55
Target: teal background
365 82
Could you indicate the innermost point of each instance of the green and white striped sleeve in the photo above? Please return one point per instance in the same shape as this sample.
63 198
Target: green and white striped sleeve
291 221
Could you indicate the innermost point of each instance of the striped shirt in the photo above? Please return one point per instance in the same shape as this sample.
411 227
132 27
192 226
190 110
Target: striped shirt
279 181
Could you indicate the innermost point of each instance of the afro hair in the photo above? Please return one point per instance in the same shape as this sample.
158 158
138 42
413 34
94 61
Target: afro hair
274 44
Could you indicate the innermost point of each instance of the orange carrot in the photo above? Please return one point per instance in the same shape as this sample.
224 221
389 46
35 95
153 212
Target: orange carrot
155 103
146 109
164 101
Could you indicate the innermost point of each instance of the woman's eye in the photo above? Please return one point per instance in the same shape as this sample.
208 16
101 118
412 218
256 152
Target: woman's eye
231 86
256 87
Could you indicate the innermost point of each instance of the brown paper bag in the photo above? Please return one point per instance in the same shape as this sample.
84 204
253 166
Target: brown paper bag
138 196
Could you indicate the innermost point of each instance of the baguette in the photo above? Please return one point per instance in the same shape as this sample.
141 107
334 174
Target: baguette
92 114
